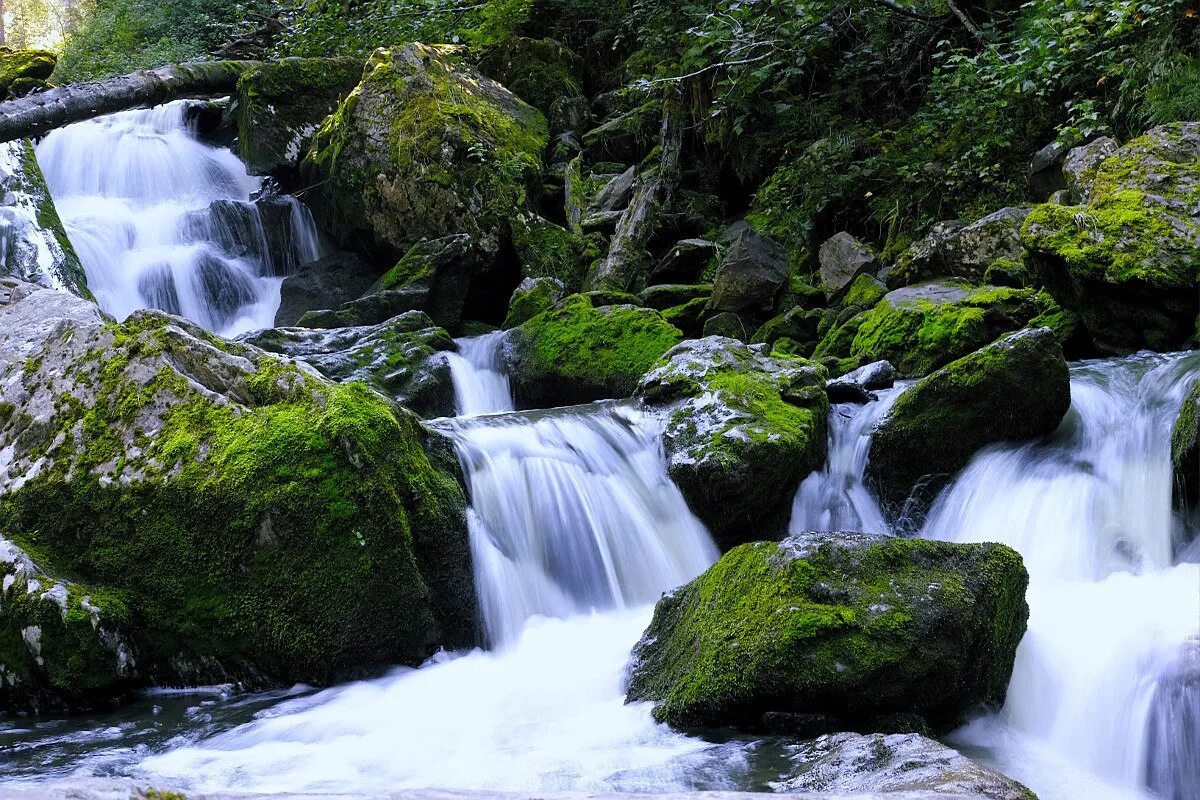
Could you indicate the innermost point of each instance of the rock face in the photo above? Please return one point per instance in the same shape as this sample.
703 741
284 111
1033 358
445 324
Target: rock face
202 511
849 628
921 328
963 251
742 431
399 358
331 282
750 275
1014 389
33 244
1185 453
851 762
281 104
843 258
425 146
578 352
1125 258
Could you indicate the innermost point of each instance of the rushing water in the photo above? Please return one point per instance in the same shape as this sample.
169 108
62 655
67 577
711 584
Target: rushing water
162 220
480 382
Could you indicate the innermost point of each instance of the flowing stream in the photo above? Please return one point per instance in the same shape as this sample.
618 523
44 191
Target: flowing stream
162 220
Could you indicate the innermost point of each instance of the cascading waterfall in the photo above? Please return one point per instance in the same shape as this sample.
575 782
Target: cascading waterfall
162 220
1114 611
575 530
480 382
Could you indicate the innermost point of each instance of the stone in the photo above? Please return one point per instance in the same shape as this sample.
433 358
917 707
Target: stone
743 429
1172 758
616 194
628 137
855 627
425 147
898 762
1081 165
1045 170
541 72
953 250
24 65
750 275
798 324
532 297
336 279
874 376
1185 454
400 358
729 325
843 258
1014 389
685 261
664 296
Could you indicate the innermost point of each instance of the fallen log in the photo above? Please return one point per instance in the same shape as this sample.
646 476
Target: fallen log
37 114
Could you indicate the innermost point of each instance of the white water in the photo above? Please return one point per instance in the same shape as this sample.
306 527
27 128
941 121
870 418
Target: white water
480 383
575 530
162 220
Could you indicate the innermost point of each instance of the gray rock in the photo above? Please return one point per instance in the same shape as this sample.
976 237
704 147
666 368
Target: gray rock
532 297
843 258
1080 166
963 251
616 193
1045 170
399 357
750 275
729 325
685 261
336 279
669 295
852 762
33 244
858 386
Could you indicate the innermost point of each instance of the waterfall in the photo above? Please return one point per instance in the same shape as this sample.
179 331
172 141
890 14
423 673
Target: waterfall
575 531
480 383
837 498
1112 607
162 220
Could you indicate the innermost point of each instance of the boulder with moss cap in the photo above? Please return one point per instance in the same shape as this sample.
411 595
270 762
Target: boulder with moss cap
231 516
742 431
853 629
425 146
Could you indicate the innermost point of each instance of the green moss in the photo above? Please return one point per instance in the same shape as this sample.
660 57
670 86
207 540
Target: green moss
546 250
864 293
1185 452
17 64
578 352
539 71
850 628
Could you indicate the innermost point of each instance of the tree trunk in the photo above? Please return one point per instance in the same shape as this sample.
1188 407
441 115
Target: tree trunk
37 114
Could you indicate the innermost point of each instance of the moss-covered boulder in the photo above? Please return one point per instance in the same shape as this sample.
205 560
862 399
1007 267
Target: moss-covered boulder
547 250
425 146
532 297
954 250
742 431
850 628
25 65
579 351
400 358
233 515
1126 259
924 327
1013 389
281 104
36 247
1185 453
539 71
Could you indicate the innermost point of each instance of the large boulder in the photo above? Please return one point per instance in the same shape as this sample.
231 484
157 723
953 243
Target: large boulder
33 243
331 282
425 146
280 105
962 251
1125 258
750 275
1185 454
843 258
579 351
532 297
1014 389
400 358
539 71
898 762
924 327
201 512
23 66
743 429
853 631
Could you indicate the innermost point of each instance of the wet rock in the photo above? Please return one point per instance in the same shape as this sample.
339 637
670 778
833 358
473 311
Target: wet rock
23 66
750 275
400 358
231 515
848 625
873 376
1014 389
743 430
335 280
843 258
626 138
799 325
685 261
1185 454
1045 170
901 762
729 325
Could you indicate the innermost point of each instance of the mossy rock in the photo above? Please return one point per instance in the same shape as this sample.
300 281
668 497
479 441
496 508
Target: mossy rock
1126 260
798 325
32 64
955 250
626 139
1014 389
242 519
852 628
539 71
425 147
546 250
534 296
281 105
742 431
1185 454
922 328
579 351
